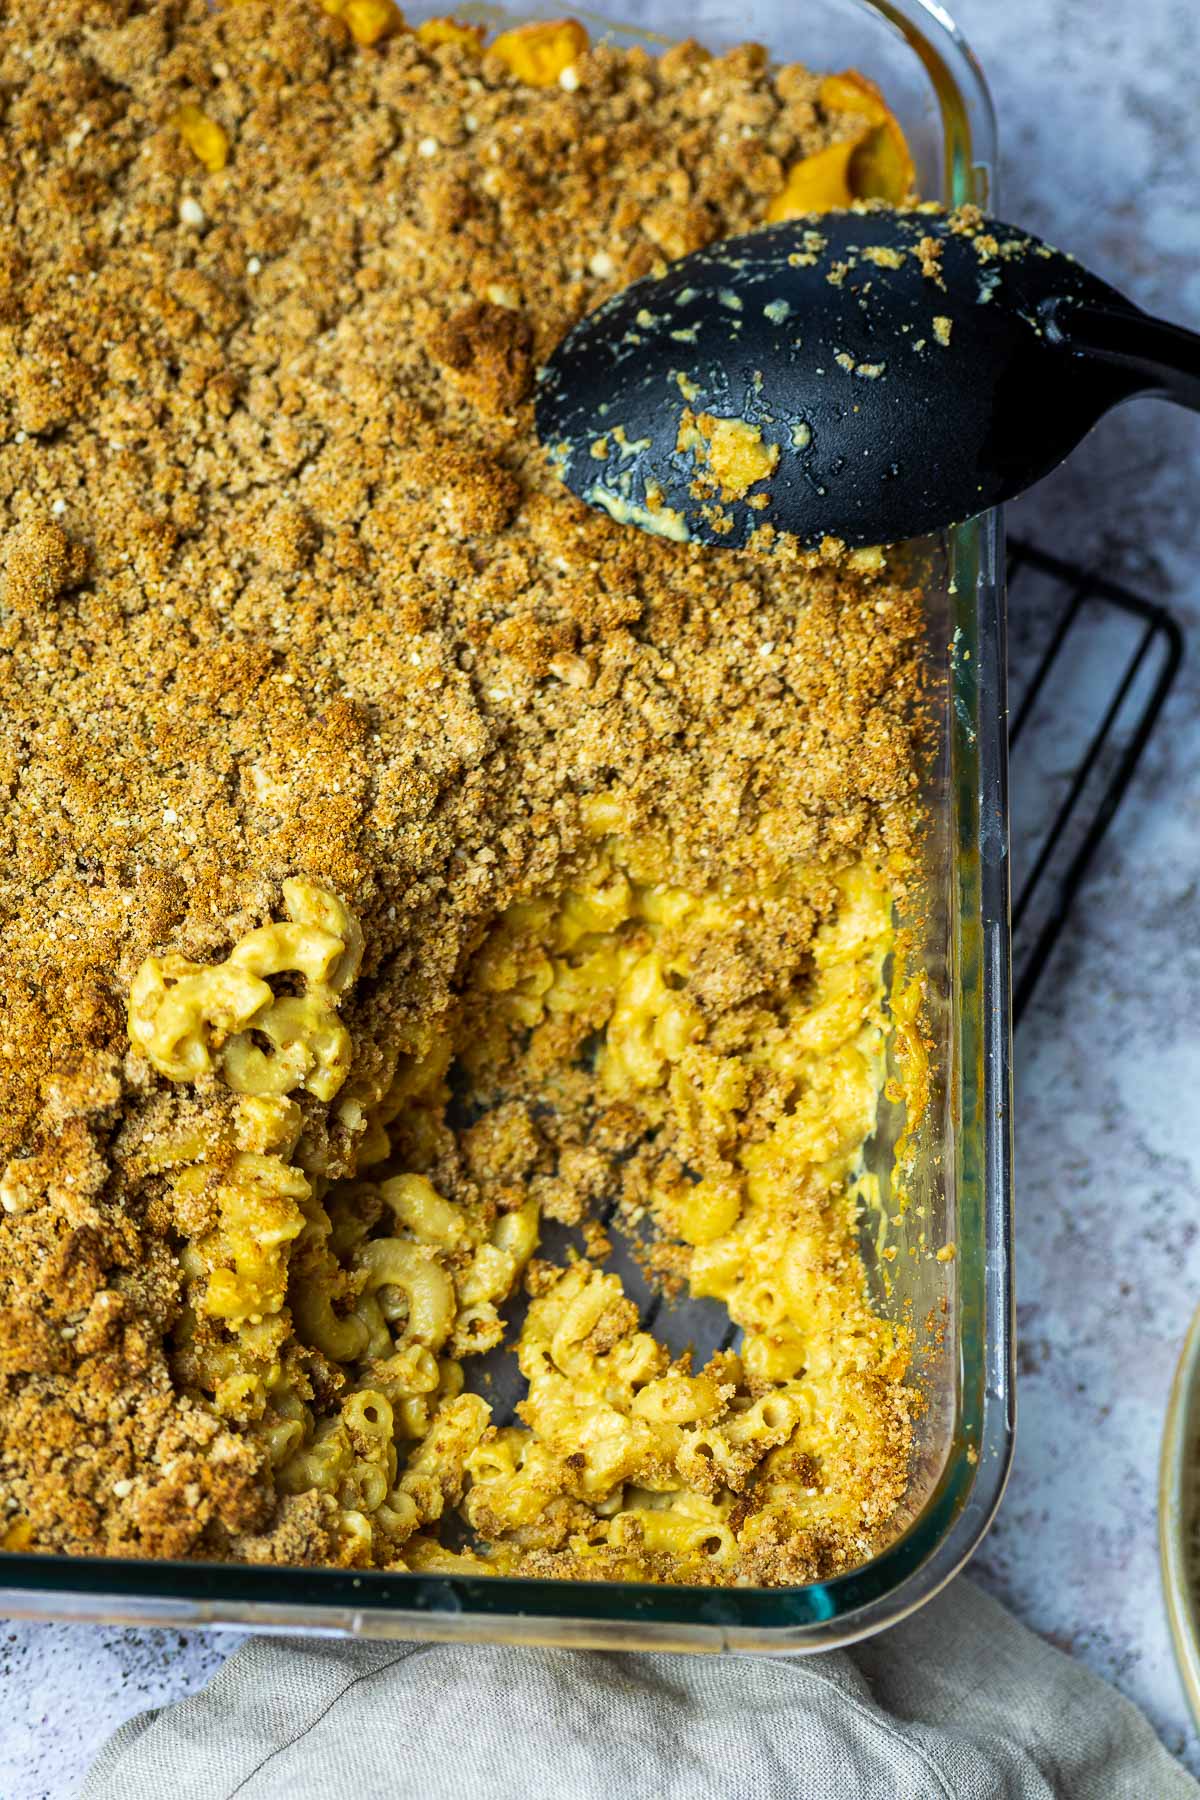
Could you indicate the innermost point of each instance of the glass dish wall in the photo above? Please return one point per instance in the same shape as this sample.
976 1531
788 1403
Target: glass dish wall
960 1188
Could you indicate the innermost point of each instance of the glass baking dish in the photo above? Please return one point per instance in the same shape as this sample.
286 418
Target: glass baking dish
960 1185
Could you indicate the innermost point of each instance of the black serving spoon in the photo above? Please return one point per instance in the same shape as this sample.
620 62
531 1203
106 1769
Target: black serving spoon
866 375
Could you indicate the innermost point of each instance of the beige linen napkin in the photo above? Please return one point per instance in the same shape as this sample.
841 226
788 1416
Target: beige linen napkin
957 1703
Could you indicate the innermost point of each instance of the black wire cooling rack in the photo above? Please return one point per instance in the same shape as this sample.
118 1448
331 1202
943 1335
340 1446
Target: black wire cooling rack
1090 668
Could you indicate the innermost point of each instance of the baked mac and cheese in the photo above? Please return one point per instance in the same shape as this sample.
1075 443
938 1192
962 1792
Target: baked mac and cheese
415 885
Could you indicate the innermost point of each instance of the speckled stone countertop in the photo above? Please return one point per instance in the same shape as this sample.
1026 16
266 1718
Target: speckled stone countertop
1097 102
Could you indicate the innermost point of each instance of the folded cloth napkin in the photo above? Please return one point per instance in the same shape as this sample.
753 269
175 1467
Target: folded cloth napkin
959 1702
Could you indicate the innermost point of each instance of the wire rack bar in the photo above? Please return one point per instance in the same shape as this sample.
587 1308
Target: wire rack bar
1090 794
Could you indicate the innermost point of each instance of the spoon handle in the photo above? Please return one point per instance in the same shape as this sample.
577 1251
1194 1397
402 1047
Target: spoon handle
1161 358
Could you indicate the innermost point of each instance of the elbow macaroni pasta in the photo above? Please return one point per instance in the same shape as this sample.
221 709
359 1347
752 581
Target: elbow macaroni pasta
188 1018
624 1461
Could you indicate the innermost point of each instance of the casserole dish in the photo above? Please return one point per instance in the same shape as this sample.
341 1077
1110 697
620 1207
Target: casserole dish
1177 1514
957 1182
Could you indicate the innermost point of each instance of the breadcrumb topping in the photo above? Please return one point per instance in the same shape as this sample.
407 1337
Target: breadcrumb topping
288 587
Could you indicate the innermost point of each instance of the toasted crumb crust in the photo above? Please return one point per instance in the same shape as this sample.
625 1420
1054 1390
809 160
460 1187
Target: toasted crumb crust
287 586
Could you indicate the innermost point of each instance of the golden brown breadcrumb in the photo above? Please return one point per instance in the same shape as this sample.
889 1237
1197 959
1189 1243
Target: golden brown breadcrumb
287 586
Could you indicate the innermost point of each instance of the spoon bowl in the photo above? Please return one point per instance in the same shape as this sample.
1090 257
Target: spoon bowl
866 375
